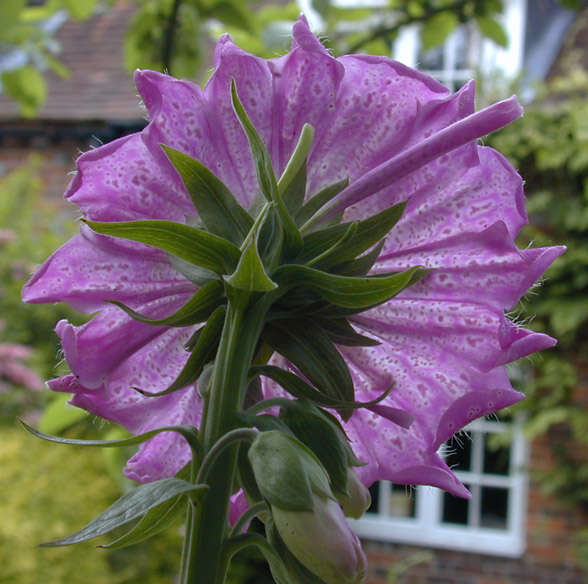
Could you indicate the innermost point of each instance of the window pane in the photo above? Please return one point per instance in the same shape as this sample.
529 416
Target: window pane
402 501
432 60
459 453
455 509
496 460
375 493
494 507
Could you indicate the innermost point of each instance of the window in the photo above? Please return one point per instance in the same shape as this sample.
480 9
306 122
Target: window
465 52
492 521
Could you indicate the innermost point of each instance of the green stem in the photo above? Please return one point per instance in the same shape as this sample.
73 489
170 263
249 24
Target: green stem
203 560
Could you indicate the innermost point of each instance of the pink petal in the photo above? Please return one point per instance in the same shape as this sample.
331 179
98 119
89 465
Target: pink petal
85 273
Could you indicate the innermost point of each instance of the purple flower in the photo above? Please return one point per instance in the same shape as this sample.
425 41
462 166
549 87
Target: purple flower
399 136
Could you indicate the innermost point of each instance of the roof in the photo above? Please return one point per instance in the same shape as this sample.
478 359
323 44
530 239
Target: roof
99 88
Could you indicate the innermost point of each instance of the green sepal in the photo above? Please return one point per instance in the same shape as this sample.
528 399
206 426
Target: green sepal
292 183
342 333
287 472
299 388
309 349
261 157
361 265
348 291
369 232
246 475
292 242
130 506
189 433
196 310
196 246
203 352
284 566
250 274
323 435
219 210
325 257
316 202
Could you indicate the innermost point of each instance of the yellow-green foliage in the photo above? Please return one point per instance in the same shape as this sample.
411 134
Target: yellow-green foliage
49 491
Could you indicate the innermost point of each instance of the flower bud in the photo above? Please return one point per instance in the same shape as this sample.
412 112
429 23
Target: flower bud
356 501
322 541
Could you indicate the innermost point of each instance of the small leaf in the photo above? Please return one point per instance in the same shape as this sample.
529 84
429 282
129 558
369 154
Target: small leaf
299 388
361 265
189 433
369 232
342 333
437 28
492 29
131 506
188 243
292 242
292 183
26 86
309 349
203 351
156 520
196 310
310 208
219 210
250 275
345 291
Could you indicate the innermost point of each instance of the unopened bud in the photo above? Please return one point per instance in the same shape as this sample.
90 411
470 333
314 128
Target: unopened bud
322 541
357 499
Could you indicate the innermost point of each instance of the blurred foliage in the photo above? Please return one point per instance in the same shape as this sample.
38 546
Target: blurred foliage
174 35
37 227
549 146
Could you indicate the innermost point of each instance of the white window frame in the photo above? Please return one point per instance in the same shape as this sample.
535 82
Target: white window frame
489 57
426 527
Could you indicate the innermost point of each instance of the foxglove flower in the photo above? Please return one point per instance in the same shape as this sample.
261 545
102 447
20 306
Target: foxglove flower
397 135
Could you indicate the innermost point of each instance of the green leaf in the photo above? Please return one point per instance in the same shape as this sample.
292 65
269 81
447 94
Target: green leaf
156 520
131 506
189 433
292 183
369 232
310 350
316 202
203 351
196 310
323 435
27 86
299 388
80 9
348 291
492 29
10 11
362 265
292 242
188 243
342 333
261 157
219 210
250 275
57 67
437 28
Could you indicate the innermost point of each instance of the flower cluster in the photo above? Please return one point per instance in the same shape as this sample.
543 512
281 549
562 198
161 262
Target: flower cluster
396 136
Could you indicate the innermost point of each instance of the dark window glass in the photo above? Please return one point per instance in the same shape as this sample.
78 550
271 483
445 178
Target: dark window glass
375 493
459 453
494 507
496 460
455 509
